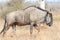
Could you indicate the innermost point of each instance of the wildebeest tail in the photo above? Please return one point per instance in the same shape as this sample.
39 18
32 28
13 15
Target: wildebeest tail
4 26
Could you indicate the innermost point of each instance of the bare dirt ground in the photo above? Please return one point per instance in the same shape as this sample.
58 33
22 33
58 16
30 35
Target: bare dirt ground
23 33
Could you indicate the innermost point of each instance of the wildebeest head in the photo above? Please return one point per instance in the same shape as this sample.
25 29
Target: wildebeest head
49 19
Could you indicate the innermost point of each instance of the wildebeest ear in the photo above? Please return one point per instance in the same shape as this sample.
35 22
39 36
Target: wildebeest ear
49 19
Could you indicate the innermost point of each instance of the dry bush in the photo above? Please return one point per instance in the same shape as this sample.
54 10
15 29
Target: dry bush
11 6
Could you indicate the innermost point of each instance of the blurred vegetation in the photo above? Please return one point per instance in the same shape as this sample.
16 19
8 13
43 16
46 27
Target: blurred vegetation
14 5
11 6
57 18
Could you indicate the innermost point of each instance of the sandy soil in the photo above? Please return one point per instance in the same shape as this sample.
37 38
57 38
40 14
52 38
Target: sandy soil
22 33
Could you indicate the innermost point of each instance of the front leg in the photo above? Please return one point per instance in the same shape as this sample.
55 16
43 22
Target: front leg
31 28
37 26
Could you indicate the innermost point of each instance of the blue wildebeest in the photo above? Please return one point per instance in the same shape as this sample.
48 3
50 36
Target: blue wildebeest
33 16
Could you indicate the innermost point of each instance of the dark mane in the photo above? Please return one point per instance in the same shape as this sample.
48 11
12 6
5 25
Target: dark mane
37 8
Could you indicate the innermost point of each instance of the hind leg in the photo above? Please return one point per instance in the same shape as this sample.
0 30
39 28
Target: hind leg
14 27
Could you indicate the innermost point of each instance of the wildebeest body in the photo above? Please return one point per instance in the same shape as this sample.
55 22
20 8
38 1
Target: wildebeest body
26 16
29 16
